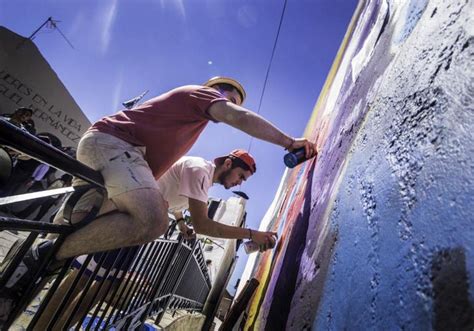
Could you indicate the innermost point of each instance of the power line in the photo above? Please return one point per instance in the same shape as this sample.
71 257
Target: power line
269 65
268 69
51 24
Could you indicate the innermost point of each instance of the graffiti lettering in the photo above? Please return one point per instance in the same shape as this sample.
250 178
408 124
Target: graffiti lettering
11 95
72 122
3 89
40 100
56 124
18 93
15 98
57 112
66 119
10 80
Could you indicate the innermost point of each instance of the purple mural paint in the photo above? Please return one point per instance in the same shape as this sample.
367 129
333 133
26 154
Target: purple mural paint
380 236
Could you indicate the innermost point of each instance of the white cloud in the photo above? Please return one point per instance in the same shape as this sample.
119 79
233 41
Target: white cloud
108 20
178 4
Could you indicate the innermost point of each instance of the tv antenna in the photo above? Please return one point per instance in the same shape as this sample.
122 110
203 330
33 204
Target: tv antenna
50 23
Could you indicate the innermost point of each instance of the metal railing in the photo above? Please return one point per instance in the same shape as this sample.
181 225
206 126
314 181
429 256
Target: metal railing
124 287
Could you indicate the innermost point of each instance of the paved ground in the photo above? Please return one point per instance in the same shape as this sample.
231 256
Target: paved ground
6 240
181 321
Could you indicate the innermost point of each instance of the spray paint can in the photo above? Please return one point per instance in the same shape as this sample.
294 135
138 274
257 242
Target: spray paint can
292 159
251 247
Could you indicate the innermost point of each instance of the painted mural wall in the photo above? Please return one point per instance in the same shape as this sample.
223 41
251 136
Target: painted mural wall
378 232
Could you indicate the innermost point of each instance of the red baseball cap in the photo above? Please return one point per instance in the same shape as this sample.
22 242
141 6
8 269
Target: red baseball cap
243 155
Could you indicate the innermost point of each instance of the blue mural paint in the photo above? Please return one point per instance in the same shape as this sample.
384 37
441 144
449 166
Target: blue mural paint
413 11
387 241
398 205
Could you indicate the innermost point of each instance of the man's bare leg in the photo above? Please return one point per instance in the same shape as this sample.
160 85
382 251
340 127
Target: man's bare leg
108 206
57 299
142 218
108 232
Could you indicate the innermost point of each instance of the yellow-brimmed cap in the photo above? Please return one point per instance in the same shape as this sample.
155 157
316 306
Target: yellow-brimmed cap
226 80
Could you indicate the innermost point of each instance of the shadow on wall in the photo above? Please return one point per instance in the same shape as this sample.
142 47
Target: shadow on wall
449 278
286 282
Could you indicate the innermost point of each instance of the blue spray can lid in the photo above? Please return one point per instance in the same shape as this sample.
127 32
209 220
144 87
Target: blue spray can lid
290 160
294 158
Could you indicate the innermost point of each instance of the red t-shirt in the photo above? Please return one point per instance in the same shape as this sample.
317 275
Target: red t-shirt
167 125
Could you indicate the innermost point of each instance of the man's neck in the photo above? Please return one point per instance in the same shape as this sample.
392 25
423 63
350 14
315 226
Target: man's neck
217 172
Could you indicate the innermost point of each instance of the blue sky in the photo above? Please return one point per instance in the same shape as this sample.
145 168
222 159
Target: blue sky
122 48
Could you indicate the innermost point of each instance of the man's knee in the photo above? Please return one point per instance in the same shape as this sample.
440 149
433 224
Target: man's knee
148 210
152 222
152 230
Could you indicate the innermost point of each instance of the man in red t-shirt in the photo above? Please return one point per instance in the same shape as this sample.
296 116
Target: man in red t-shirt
132 148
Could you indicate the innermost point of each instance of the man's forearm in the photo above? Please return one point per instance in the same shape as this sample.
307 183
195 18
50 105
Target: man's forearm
249 122
260 128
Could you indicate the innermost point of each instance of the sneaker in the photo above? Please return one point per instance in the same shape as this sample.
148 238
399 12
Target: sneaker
26 270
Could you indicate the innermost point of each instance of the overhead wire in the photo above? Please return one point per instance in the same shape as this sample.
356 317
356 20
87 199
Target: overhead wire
269 65
268 70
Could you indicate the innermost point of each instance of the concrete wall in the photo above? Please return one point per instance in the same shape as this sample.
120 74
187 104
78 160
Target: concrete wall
27 80
378 232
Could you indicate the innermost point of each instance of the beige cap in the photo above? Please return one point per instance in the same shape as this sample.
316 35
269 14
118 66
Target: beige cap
226 80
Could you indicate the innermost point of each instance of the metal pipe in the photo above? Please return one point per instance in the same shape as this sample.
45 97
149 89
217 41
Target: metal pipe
10 223
29 144
178 280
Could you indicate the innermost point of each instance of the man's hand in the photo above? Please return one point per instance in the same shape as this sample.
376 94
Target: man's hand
310 148
265 240
187 232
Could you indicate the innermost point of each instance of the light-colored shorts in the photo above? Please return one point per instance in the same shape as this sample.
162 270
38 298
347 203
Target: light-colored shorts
122 165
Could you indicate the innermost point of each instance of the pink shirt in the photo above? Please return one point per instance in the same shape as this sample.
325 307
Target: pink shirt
167 125
190 177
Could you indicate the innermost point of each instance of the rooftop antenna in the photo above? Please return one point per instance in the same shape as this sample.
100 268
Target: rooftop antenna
129 104
50 23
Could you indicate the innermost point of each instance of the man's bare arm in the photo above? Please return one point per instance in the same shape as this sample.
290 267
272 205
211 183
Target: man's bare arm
258 127
204 225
